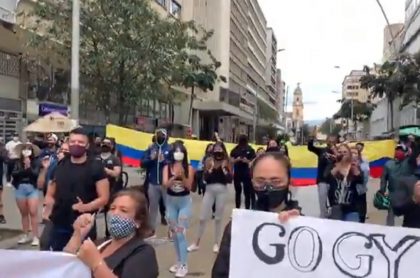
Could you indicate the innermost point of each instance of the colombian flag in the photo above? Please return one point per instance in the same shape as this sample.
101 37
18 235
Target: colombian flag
132 145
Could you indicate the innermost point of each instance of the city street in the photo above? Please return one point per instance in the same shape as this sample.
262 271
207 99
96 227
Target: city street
201 261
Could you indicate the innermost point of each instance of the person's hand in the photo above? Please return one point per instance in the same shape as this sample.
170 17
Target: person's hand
46 212
108 171
89 254
161 157
153 155
27 163
418 160
284 216
45 162
209 165
417 193
83 225
79 206
245 160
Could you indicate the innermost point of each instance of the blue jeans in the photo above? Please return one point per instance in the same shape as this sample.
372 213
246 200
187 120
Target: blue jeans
26 191
351 217
178 212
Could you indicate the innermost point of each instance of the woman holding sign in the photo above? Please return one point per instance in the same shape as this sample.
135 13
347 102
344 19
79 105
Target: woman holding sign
343 180
271 180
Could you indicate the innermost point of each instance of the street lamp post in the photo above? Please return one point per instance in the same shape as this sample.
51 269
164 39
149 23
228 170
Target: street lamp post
75 60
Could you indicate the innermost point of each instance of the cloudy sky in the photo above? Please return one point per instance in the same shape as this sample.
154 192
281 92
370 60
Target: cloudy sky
321 34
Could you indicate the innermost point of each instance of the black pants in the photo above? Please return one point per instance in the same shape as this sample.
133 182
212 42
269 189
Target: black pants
362 207
244 182
10 166
44 241
1 175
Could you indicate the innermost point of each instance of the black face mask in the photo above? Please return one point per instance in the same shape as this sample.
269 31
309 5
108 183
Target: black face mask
218 156
270 199
160 140
105 149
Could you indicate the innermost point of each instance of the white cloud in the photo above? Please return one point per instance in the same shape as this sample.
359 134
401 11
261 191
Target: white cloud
319 34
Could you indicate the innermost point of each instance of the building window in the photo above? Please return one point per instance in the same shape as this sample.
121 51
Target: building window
161 2
176 9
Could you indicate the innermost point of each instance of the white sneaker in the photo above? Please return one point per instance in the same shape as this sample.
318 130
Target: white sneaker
193 247
174 268
35 241
9 184
216 248
182 271
24 239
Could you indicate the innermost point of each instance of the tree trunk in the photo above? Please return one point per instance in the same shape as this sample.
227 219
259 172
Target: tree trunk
120 100
391 107
191 106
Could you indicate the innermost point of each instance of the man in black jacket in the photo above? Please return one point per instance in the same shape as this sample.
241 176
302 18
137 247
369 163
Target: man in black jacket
326 156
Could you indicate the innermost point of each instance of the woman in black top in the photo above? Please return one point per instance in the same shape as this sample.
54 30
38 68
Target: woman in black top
217 175
178 177
342 180
271 179
126 255
25 175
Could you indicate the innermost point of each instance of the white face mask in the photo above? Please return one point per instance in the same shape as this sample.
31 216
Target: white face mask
15 139
178 156
26 153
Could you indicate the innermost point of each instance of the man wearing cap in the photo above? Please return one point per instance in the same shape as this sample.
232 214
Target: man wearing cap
154 159
401 166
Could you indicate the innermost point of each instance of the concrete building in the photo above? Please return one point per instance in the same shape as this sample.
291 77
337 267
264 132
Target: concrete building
352 87
240 44
281 98
393 36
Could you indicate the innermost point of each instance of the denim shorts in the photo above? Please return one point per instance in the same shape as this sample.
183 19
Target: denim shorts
26 191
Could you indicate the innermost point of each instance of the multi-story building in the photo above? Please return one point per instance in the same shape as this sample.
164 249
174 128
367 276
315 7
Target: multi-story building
271 67
393 36
280 98
352 89
240 44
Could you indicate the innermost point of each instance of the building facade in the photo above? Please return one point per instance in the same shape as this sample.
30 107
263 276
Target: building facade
352 89
240 42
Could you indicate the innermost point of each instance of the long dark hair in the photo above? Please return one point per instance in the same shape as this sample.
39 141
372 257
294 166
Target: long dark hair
142 210
175 146
223 147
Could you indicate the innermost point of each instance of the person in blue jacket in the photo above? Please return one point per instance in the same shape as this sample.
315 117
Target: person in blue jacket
154 160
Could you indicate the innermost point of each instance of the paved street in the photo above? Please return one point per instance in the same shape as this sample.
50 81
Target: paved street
200 263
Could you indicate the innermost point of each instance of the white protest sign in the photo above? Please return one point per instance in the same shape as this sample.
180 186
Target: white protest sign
306 247
35 264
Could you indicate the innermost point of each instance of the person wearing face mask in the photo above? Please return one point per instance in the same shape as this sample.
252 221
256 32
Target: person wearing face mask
218 175
271 180
112 166
178 177
242 155
343 179
272 146
126 254
154 160
79 186
326 157
44 180
408 192
401 166
24 180
12 157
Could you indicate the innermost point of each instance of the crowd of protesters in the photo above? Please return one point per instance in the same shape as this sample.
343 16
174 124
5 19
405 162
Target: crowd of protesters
81 177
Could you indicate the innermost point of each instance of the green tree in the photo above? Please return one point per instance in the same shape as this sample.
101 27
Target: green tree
355 111
397 78
127 50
